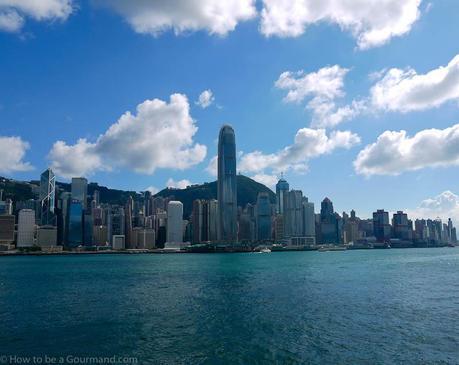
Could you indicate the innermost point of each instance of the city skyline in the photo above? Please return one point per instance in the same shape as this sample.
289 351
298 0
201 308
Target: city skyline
60 85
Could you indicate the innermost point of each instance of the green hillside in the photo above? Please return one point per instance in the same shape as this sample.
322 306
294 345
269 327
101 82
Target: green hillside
247 191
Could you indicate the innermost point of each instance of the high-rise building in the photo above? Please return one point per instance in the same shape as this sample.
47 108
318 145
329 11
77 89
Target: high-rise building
75 230
128 222
293 214
329 232
80 190
282 189
116 223
213 220
401 226
26 228
263 217
309 217
174 223
381 226
7 229
200 219
227 193
47 198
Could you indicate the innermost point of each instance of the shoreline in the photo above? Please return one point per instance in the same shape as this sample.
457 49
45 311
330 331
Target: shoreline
163 251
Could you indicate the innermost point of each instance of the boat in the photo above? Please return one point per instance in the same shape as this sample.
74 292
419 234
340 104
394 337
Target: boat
265 250
332 248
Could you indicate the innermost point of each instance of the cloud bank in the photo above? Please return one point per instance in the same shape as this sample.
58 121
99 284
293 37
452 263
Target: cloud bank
395 152
159 135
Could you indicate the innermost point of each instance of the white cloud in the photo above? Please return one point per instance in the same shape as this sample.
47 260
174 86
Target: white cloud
13 150
13 13
444 206
152 189
269 180
212 167
308 144
160 135
406 90
206 98
154 17
371 22
322 88
396 152
181 184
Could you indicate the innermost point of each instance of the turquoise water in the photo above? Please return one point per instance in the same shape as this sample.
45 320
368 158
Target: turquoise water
354 307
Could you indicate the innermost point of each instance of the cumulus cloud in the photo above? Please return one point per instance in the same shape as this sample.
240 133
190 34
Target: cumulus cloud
212 167
13 13
444 206
181 184
371 22
152 189
13 150
206 98
154 17
308 144
406 90
396 152
321 88
159 135
266 179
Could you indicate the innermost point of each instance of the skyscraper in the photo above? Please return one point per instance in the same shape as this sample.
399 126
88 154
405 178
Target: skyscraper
381 225
80 190
26 228
282 188
227 193
328 223
263 217
47 198
174 223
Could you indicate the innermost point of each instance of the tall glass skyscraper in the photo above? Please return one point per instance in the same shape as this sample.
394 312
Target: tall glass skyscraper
75 232
227 193
47 198
80 190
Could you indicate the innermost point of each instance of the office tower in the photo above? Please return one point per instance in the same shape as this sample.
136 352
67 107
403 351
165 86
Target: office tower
80 190
282 188
100 235
309 217
26 228
263 217
46 236
116 223
7 222
293 214
213 220
75 225
47 198
174 223
401 226
88 224
147 204
279 228
227 193
200 219
6 207
145 238
128 222
64 203
381 226
329 232
96 198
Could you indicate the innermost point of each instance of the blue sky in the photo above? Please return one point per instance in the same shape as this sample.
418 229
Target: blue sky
72 70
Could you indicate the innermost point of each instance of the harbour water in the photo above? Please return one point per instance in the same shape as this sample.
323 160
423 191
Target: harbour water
353 307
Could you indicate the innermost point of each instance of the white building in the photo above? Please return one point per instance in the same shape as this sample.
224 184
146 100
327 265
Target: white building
118 242
174 224
26 228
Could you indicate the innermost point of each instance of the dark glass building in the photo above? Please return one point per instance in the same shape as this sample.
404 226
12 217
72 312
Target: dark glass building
227 193
47 198
263 217
75 232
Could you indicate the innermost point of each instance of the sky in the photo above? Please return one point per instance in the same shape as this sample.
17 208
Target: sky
353 100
